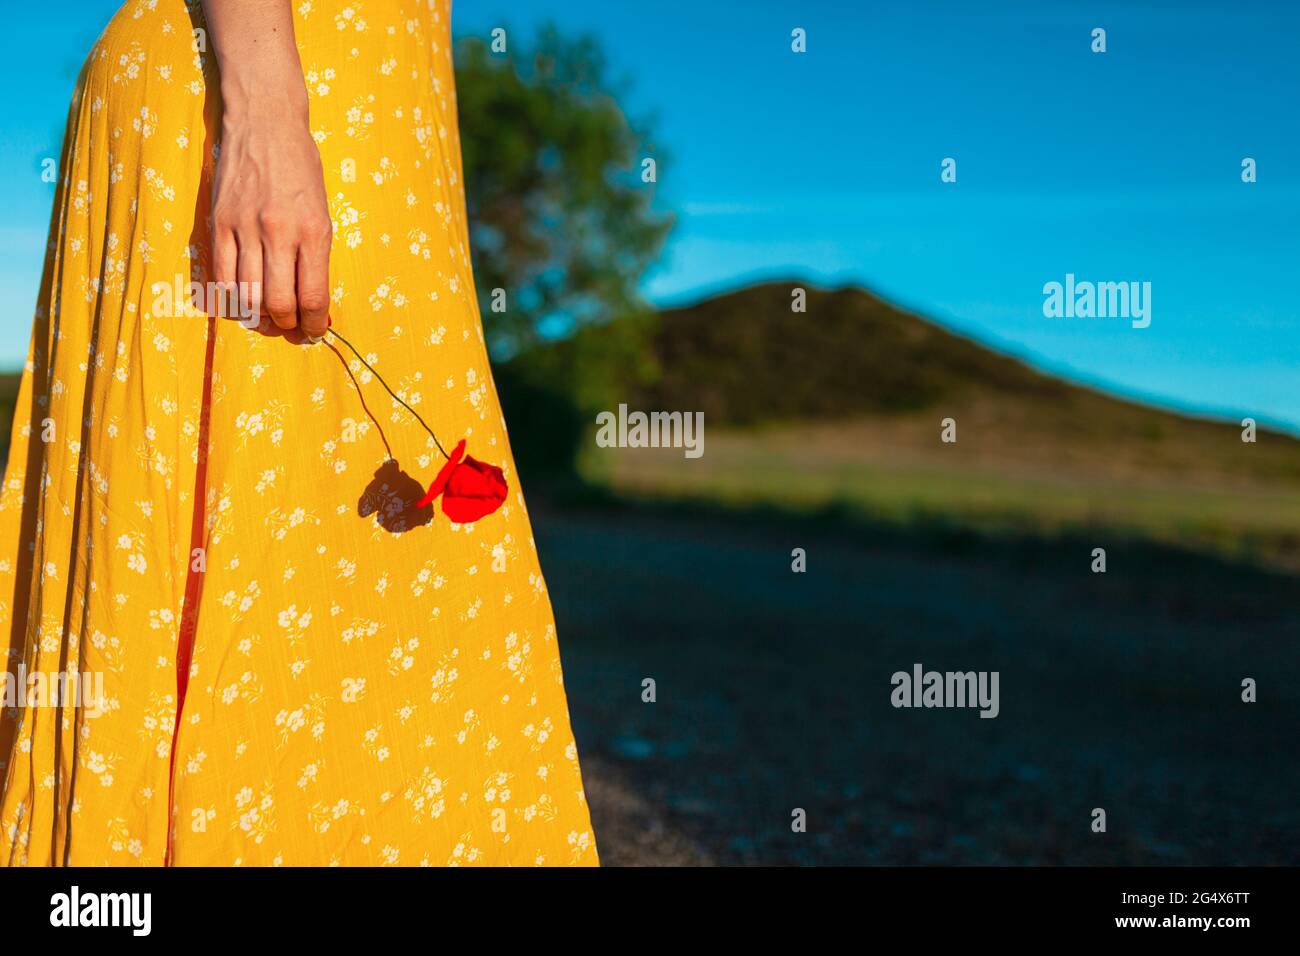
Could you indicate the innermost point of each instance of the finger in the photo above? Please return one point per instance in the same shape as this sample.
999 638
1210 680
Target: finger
313 288
278 293
250 279
225 259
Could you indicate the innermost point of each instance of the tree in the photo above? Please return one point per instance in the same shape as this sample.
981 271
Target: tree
560 219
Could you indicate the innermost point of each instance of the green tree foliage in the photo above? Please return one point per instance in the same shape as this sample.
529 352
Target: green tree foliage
559 216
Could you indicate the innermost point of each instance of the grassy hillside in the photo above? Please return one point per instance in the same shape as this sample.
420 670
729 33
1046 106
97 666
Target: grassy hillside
841 407
744 358
9 382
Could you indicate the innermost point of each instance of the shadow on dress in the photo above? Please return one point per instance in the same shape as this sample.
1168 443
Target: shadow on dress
391 497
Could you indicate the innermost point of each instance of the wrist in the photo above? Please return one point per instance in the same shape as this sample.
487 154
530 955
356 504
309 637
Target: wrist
249 100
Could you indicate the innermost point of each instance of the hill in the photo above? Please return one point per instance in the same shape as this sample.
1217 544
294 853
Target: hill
9 382
841 406
745 357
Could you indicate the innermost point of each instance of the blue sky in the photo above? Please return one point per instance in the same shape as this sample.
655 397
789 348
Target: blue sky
1123 166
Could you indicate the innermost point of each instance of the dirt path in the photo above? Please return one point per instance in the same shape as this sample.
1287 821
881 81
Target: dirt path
630 830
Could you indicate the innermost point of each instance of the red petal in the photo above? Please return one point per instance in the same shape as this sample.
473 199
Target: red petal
444 473
475 489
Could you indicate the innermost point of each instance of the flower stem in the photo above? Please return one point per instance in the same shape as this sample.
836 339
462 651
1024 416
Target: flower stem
359 356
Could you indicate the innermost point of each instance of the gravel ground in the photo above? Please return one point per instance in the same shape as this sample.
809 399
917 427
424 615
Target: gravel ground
1119 691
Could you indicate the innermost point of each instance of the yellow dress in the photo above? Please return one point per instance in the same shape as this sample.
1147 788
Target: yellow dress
367 686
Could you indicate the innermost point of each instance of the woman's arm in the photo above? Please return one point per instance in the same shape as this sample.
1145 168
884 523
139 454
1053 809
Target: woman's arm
270 221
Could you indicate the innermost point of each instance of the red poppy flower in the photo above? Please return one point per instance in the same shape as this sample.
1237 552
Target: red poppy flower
470 488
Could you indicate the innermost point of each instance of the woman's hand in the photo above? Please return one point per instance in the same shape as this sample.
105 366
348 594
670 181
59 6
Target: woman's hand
271 229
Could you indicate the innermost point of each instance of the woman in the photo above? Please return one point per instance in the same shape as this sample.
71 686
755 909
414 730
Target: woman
211 501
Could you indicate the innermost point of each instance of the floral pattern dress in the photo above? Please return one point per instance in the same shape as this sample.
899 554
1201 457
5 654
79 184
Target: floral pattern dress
368 683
